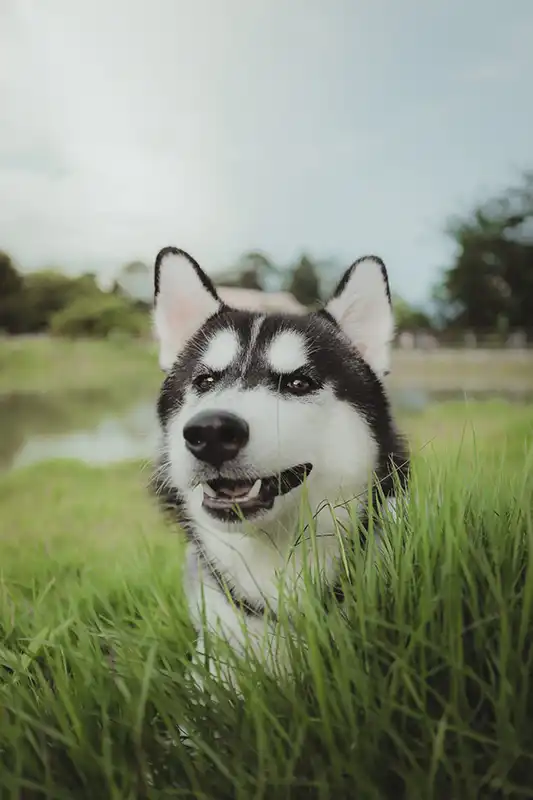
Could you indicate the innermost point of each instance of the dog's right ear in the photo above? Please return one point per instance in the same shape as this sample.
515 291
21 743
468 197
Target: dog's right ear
184 298
361 306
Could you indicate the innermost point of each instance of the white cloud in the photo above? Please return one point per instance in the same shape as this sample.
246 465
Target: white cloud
219 126
141 115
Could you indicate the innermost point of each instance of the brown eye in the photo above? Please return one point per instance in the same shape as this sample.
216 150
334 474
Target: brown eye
299 384
205 381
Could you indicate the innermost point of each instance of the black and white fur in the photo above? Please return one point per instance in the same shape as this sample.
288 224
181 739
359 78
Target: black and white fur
309 390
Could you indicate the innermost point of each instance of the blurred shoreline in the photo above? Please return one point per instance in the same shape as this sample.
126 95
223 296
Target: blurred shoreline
457 369
35 358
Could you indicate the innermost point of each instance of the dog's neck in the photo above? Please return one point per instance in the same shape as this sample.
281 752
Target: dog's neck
252 559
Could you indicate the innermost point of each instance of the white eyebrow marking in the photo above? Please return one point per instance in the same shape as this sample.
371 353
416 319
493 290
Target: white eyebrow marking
287 352
254 333
221 350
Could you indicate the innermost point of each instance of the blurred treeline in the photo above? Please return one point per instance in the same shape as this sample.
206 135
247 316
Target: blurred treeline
487 288
49 301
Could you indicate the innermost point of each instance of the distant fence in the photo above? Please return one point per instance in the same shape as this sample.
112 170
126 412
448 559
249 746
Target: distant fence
467 340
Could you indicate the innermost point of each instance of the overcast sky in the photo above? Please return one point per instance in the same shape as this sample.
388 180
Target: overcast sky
338 126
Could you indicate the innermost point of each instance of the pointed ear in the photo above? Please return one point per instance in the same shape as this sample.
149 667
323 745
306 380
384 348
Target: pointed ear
184 298
361 305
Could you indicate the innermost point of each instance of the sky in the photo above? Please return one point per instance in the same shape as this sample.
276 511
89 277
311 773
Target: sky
338 127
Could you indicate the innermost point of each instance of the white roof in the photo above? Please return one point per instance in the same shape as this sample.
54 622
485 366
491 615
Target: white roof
254 300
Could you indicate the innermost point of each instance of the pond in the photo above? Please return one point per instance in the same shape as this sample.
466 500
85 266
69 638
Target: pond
99 429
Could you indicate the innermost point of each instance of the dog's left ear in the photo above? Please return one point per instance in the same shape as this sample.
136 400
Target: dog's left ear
361 305
184 298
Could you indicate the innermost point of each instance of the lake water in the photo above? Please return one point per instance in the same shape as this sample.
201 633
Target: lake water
96 430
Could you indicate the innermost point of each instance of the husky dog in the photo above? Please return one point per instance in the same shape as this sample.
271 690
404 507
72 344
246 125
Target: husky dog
261 414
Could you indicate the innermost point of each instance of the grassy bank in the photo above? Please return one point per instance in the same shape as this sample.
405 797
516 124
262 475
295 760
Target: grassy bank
50 365
427 692
463 370
59 365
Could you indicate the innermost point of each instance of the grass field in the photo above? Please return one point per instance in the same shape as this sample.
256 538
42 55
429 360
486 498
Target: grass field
49 365
44 364
424 689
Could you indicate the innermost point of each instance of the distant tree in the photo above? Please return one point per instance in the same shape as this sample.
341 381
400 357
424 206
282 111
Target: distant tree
330 271
11 290
254 270
250 279
258 269
10 280
100 317
408 317
48 291
304 282
490 285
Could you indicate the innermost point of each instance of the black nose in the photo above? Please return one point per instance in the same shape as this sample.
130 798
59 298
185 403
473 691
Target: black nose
216 436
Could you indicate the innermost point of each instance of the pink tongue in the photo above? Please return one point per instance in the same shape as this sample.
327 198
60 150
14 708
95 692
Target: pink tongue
238 490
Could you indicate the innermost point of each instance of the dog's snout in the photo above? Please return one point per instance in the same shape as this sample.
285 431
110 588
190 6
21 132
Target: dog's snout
216 436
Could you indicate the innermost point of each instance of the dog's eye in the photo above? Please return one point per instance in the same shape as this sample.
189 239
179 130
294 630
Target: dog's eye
205 381
299 384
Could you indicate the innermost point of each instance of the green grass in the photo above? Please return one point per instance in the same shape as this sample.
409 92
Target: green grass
424 689
52 365
48 364
463 369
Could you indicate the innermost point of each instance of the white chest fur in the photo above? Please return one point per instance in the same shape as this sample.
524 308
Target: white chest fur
259 565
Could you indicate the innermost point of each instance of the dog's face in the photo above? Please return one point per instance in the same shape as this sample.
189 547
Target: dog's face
258 408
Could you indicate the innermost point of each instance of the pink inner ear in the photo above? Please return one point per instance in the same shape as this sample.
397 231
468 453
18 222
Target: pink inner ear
178 322
183 320
182 306
363 312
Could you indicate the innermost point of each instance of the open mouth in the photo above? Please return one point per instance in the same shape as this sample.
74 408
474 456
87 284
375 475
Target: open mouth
226 498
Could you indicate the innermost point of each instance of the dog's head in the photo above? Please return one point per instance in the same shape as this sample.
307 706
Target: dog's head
255 405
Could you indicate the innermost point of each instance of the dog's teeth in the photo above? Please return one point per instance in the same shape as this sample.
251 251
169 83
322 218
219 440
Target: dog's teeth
198 490
254 491
208 490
